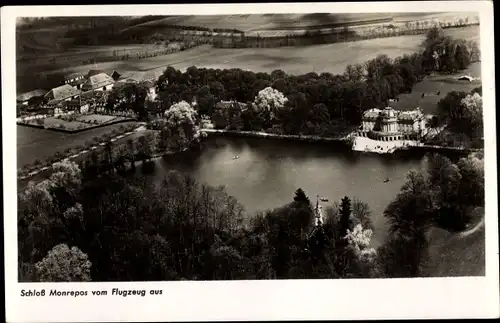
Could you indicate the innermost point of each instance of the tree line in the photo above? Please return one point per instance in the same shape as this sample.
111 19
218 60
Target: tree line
461 114
315 103
328 35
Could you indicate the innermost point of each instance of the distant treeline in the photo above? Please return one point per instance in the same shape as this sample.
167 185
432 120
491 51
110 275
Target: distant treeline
194 28
306 39
339 24
317 37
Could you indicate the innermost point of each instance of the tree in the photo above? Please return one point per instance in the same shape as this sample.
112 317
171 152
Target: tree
269 101
301 197
473 114
471 187
181 117
358 241
63 264
251 118
345 216
434 35
450 107
444 181
354 73
36 200
404 256
361 214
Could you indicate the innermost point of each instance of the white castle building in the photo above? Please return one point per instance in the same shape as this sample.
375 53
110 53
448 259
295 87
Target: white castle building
389 124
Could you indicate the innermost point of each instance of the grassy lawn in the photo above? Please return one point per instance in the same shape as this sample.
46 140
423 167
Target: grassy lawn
21 184
34 143
55 123
97 118
75 122
434 83
457 254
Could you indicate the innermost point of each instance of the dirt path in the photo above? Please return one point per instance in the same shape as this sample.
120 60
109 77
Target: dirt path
474 229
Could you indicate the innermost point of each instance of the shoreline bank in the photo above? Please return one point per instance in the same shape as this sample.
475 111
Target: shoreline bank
349 140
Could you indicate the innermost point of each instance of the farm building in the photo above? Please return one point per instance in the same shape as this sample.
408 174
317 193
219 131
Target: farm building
24 98
116 76
98 82
75 80
94 72
142 76
389 124
63 93
78 105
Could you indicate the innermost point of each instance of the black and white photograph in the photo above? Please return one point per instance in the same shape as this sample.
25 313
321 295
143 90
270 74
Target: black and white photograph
204 145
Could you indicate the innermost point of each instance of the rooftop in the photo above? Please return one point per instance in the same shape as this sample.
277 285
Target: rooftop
94 72
142 76
31 94
97 81
73 76
62 92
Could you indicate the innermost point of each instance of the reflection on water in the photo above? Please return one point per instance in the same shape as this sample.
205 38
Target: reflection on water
268 172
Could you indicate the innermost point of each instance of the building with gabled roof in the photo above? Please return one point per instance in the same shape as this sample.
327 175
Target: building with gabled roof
23 98
75 80
98 82
94 72
116 76
64 93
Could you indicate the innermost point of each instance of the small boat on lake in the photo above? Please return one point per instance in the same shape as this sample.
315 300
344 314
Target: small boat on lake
386 180
236 157
324 199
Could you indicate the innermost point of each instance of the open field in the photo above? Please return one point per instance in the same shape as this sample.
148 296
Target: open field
457 254
34 143
74 122
22 183
434 83
99 118
262 22
56 123
331 58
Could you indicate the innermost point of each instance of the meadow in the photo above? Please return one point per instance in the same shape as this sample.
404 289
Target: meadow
457 254
266 22
434 84
35 143
332 58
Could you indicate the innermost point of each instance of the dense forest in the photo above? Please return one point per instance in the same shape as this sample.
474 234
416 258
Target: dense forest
322 104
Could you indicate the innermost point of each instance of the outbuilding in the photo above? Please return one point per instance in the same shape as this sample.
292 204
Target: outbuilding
24 98
99 82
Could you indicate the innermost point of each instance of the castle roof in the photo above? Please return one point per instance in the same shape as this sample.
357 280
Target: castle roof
372 114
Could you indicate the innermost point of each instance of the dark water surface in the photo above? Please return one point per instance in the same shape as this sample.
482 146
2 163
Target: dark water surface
269 171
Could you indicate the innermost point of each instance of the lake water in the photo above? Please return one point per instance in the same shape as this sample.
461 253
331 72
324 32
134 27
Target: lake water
269 171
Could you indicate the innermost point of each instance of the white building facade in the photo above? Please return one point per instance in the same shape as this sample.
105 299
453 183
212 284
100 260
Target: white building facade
389 124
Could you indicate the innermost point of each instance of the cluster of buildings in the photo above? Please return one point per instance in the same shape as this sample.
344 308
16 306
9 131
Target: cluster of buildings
391 125
82 92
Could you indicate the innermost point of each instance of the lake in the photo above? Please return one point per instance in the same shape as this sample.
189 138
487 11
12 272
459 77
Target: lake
268 172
